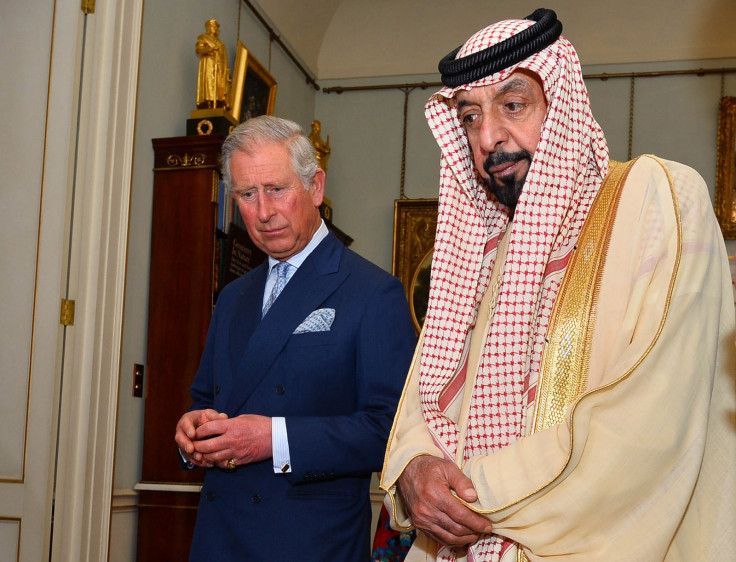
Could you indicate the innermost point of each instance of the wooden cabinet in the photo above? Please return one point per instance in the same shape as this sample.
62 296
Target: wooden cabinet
183 277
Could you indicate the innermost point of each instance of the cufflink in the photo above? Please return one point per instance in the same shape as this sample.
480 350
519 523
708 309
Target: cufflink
285 467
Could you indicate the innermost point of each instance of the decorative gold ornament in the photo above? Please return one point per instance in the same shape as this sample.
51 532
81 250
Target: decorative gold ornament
176 161
213 78
320 147
204 127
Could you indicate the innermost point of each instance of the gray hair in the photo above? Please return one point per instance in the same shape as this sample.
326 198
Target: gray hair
266 129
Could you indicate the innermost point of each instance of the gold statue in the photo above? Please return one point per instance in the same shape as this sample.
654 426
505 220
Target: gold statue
320 147
213 80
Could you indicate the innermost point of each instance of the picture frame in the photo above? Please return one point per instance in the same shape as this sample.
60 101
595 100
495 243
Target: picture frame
415 223
725 199
253 88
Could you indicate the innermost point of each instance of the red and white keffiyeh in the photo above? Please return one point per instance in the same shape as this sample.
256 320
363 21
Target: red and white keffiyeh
568 167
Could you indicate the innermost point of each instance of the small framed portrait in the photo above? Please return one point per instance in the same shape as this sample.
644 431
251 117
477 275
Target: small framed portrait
725 204
253 89
415 223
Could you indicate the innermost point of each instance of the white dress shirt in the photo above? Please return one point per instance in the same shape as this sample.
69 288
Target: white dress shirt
279 438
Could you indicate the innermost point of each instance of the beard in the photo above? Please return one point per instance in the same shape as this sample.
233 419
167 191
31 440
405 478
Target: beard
506 190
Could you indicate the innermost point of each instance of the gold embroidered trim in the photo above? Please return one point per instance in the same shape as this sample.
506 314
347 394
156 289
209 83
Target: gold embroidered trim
635 366
521 557
564 372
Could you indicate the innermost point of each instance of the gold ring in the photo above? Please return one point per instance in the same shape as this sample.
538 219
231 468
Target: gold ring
231 463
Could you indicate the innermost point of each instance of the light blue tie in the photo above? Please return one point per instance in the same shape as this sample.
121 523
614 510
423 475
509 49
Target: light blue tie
281 268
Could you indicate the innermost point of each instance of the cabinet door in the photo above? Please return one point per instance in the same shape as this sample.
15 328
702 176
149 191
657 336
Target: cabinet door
180 292
181 287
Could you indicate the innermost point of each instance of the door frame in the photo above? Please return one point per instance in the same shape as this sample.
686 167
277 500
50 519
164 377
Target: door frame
99 173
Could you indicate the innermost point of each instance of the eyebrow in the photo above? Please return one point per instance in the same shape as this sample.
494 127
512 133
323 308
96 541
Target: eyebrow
264 186
462 104
513 84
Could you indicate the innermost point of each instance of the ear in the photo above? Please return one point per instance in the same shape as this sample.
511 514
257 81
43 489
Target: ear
317 189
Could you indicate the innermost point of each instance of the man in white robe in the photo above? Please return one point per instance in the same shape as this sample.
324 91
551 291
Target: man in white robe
573 393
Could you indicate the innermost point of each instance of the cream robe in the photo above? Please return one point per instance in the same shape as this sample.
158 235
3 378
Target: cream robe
644 466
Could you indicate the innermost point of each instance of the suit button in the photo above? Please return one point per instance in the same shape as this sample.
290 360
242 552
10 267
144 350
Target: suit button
280 389
217 390
210 496
255 498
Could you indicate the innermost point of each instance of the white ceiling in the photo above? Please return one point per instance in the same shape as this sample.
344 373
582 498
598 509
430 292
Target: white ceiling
340 39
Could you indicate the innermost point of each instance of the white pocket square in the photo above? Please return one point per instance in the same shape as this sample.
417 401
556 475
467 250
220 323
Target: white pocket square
318 321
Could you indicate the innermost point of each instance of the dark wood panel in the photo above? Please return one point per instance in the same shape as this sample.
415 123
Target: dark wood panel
165 525
180 292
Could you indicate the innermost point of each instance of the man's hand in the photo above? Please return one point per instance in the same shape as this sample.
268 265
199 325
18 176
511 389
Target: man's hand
245 439
186 431
426 486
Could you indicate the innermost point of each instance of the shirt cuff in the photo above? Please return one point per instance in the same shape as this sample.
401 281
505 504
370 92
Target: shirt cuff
280 446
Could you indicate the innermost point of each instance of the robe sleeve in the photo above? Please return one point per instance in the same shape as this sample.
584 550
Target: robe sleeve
409 438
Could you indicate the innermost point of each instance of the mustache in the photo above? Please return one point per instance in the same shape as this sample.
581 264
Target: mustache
501 157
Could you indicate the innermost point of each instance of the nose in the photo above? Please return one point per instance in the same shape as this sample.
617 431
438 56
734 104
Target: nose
492 135
264 208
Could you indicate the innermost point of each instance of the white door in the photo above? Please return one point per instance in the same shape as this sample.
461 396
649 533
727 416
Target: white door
64 190
33 212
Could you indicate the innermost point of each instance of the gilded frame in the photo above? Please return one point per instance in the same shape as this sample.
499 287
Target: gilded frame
415 223
725 200
251 81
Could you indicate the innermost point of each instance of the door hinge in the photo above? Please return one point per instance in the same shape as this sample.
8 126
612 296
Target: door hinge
88 7
66 317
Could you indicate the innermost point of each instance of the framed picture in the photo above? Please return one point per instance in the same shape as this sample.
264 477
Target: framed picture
415 222
253 89
725 164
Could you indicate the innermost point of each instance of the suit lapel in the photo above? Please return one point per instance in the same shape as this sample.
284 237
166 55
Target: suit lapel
317 278
247 313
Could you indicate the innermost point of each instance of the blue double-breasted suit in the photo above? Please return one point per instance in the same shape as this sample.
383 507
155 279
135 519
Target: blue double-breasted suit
337 390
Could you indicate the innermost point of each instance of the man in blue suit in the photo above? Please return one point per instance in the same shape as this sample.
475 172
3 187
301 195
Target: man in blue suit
295 395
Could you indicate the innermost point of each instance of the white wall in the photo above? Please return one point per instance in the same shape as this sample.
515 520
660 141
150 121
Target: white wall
364 175
399 37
